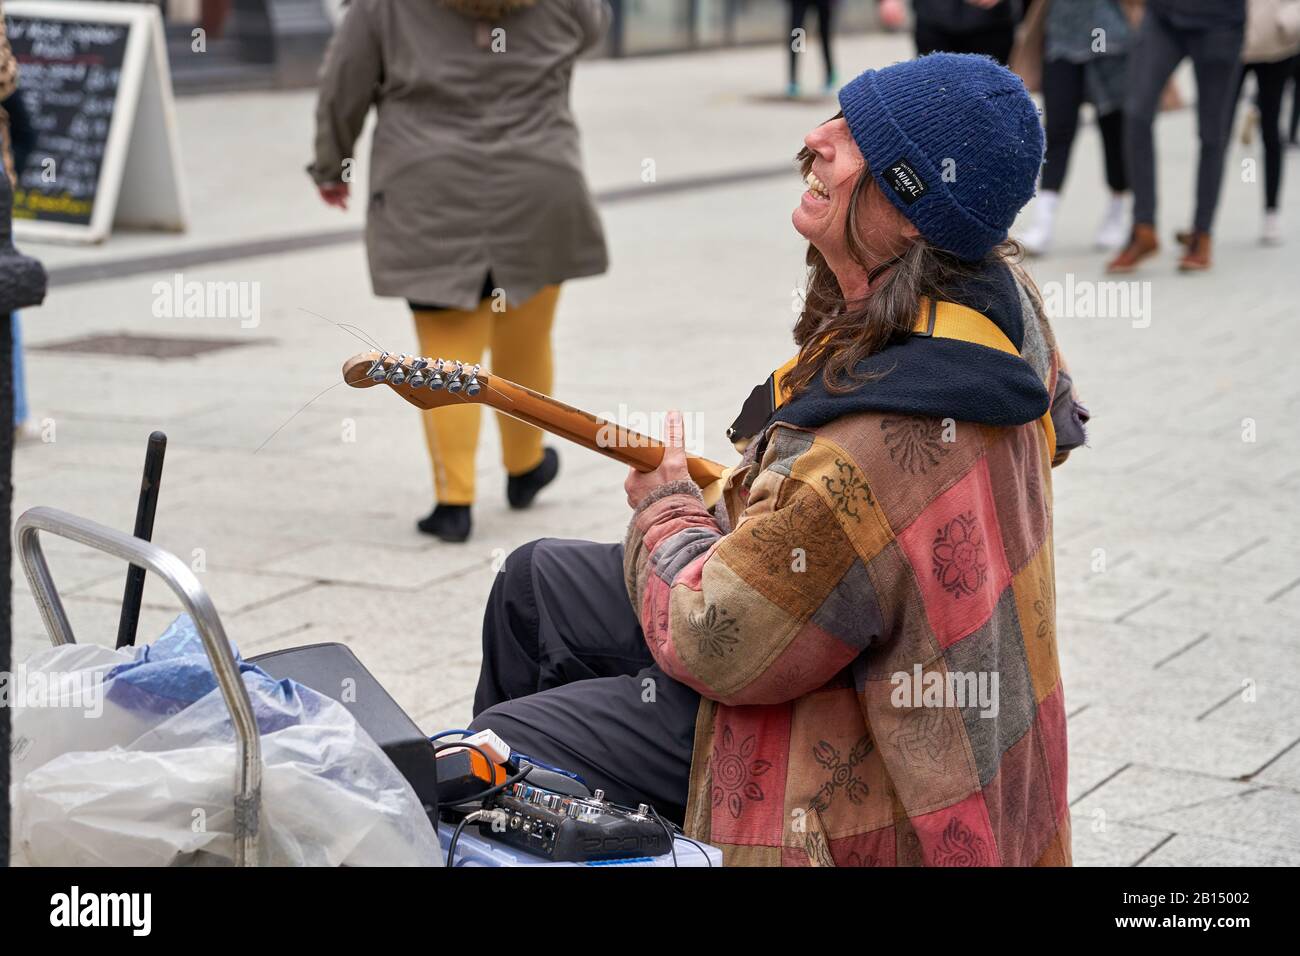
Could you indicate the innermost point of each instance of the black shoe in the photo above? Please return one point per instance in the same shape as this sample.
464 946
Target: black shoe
522 489
447 522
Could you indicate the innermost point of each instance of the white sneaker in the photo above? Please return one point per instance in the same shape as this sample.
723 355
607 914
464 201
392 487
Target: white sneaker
1037 239
1271 234
1113 232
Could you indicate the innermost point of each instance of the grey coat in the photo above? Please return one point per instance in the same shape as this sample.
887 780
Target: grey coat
476 163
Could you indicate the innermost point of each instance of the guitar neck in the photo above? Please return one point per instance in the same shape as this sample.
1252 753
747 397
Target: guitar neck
590 431
412 381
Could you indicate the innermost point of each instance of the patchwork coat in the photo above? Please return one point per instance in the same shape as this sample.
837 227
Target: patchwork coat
871 624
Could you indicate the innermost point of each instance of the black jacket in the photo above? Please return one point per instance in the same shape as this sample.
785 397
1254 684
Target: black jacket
1201 14
958 16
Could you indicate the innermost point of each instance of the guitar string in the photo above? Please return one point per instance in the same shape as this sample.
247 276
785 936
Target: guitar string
654 442
334 386
357 333
292 417
354 329
347 327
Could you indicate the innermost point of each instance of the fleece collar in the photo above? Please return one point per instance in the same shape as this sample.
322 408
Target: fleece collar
941 378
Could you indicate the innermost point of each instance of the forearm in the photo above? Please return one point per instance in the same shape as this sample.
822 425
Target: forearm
731 615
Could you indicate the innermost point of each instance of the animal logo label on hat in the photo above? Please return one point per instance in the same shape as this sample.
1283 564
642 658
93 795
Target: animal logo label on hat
905 181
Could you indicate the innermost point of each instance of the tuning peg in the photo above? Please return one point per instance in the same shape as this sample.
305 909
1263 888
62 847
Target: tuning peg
417 372
472 387
397 375
435 377
377 371
454 383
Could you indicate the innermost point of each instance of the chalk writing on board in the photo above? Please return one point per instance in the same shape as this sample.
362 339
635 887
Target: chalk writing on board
68 78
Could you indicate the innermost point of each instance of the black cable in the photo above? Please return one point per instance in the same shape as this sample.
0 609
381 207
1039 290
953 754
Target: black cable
700 847
672 840
493 791
695 843
455 838
491 762
479 798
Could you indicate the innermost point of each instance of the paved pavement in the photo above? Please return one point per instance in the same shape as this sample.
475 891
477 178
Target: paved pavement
1177 532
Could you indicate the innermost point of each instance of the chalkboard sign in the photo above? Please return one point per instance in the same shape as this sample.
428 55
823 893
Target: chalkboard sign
70 71
95 83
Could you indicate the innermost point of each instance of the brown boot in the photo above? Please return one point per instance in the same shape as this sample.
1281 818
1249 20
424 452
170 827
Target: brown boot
1185 237
1142 244
1197 256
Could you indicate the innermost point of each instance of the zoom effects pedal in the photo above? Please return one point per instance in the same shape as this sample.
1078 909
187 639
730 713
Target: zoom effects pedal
573 829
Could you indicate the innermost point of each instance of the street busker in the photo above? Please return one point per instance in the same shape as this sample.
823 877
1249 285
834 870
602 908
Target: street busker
850 660
478 208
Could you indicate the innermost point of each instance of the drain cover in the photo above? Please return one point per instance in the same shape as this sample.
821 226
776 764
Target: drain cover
142 346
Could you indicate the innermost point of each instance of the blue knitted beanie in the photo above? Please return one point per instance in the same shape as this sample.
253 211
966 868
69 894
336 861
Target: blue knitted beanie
953 140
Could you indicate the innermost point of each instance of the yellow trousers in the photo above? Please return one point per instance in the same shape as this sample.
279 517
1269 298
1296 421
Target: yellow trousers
520 341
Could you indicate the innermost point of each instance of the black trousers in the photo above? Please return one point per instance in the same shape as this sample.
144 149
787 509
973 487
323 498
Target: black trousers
567 678
993 41
1064 91
489 286
798 12
1216 60
1294 128
1270 78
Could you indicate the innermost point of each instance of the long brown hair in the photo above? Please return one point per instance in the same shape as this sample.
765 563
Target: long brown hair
833 334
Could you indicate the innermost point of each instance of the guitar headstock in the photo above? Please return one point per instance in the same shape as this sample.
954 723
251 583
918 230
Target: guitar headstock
424 382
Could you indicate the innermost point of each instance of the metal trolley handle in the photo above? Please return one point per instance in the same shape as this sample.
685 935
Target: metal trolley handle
194 599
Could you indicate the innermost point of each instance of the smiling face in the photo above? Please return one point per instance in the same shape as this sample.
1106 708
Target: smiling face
853 226
831 172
